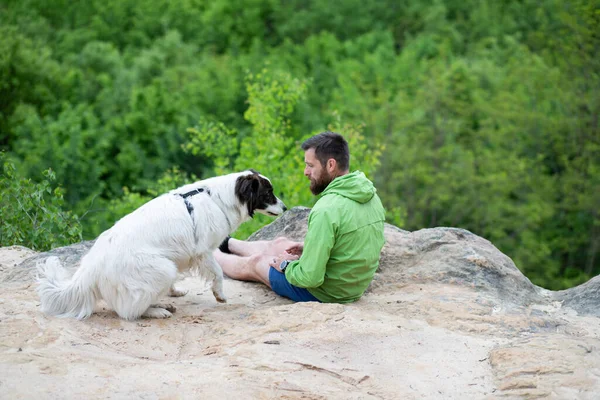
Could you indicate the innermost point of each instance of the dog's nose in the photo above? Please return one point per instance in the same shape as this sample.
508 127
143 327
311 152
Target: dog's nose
284 207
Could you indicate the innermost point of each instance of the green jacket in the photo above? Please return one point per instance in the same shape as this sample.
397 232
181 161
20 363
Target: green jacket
343 242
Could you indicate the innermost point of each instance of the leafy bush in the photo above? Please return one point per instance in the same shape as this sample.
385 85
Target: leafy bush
31 214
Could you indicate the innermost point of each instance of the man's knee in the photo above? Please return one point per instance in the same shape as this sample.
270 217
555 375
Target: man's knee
279 245
281 239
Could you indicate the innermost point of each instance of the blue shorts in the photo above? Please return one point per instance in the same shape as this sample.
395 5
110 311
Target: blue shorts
282 287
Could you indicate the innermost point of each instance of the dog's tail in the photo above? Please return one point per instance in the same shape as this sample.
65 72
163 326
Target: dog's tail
63 296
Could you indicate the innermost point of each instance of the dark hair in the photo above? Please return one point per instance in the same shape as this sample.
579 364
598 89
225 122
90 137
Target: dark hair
329 145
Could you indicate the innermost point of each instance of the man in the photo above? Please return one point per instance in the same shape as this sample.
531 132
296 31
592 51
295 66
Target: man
341 250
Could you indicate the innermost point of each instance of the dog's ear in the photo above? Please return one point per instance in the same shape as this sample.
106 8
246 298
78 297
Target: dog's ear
247 185
246 189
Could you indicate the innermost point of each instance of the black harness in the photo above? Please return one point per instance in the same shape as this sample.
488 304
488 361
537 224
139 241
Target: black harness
194 192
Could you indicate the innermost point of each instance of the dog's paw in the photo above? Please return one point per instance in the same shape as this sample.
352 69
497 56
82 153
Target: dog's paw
169 307
174 292
157 312
220 297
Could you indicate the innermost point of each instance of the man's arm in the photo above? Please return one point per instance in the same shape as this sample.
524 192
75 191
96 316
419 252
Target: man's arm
309 270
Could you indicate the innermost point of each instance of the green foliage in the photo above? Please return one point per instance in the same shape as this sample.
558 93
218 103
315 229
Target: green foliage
32 214
28 74
212 140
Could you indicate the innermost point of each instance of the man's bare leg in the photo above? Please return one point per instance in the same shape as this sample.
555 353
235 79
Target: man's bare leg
254 268
269 247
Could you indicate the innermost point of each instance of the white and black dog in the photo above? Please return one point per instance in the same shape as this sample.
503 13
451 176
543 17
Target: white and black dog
137 260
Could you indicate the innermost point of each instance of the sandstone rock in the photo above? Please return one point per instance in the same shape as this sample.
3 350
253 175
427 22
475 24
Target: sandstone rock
448 316
70 257
547 366
15 255
443 255
291 224
585 298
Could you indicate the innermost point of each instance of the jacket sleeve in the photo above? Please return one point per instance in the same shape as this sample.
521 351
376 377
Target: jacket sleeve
309 270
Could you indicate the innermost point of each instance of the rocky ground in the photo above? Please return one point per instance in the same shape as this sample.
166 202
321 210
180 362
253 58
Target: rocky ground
448 316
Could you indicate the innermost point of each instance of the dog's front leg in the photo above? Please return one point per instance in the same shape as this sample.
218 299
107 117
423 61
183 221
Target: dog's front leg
174 292
217 283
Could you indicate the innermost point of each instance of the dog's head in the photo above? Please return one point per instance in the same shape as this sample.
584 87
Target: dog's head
256 192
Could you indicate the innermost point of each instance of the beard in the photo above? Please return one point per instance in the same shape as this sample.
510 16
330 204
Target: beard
318 185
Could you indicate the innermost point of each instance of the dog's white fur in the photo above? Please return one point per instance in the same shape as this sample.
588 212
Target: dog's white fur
137 260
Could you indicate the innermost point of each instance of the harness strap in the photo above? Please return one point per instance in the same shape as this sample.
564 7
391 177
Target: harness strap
194 192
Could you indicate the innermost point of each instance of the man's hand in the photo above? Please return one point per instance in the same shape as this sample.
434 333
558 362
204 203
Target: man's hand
295 250
276 261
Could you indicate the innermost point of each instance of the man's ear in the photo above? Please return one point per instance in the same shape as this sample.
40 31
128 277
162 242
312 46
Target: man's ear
331 165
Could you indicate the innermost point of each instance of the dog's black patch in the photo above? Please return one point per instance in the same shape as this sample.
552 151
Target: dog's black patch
255 191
